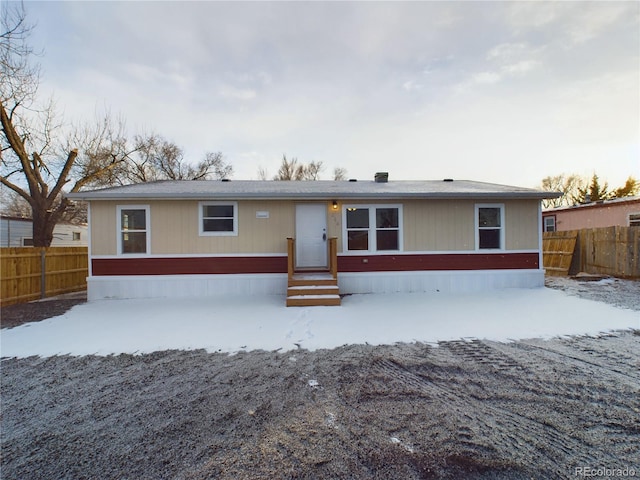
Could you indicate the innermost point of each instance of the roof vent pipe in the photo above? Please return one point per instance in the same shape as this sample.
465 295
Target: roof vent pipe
382 177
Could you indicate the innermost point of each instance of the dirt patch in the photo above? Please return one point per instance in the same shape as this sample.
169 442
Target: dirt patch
15 315
464 409
620 292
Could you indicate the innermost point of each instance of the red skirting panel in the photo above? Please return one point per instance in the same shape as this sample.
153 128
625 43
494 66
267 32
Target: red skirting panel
447 261
188 266
350 263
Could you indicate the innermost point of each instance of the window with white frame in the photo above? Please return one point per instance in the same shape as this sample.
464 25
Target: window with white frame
634 219
133 229
218 218
489 226
372 228
550 223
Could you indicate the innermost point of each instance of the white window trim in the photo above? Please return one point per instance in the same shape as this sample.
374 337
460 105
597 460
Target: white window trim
201 231
372 229
632 214
552 217
478 206
147 221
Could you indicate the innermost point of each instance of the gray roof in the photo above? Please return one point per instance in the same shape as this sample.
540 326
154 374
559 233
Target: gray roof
597 204
311 190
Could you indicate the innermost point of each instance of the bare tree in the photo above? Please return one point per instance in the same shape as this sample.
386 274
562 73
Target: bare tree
158 159
215 165
34 165
294 170
263 174
339 173
289 169
312 170
20 79
50 168
567 184
13 204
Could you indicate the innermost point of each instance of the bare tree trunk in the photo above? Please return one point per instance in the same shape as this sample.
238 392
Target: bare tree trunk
42 229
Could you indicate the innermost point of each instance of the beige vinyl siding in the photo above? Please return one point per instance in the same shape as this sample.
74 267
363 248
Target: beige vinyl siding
103 225
449 225
429 225
174 228
521 222
438 225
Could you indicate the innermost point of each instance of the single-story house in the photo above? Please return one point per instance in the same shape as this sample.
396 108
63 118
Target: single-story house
624 211
195 238
18 232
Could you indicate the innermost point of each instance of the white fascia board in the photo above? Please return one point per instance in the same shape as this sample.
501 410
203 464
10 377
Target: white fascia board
96 196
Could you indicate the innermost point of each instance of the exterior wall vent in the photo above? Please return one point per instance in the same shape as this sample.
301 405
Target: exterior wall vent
382 177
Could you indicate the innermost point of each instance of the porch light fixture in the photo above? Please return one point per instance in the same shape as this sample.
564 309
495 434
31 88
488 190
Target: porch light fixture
334 205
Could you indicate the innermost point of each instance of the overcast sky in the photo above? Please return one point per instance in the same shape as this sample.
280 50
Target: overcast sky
505 92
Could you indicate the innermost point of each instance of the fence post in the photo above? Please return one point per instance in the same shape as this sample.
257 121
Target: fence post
43 273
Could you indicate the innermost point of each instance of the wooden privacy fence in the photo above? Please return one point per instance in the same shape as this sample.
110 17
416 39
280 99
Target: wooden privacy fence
31 273
557 251
606 251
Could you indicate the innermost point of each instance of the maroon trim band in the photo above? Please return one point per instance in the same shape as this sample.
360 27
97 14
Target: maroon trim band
350 263
448 261
188 265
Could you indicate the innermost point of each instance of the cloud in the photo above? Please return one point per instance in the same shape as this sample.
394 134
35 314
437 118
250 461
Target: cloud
505 61
229 92
527 16
592 20
520 68
357 84
507 52
486 77
172 74
515 58
411 86
570 23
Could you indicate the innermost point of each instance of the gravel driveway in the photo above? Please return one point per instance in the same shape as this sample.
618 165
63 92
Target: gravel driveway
464 409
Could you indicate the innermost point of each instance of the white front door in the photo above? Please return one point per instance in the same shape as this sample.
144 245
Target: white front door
311 235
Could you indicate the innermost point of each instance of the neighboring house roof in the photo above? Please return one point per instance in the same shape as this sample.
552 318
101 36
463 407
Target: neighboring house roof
29 220
311 190
15 219
599 204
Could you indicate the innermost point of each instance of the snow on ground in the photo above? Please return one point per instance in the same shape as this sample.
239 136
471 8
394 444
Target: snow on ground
263 322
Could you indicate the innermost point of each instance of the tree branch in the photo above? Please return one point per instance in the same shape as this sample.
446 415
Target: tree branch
16 189
62 178
13 138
